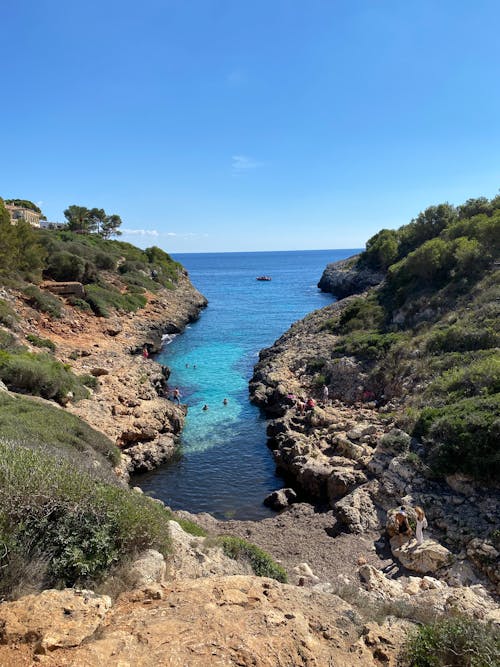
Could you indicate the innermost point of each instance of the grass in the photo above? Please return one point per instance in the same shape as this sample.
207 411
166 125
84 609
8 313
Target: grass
33 422
262 564
103 299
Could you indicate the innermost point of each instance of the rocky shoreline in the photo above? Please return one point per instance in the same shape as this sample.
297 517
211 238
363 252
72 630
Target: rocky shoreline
348 455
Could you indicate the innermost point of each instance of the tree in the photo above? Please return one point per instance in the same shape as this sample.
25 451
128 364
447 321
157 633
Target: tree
97 219
110 226
78 218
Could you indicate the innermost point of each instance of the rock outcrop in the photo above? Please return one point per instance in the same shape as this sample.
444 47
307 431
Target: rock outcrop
345 278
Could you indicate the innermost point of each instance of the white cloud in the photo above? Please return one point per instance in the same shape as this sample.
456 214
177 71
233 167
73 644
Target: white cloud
242 163
141 232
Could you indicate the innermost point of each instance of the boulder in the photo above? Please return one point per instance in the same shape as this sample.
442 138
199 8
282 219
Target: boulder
423 558
53 619
356 511
280 499
343 481
148 568
375 581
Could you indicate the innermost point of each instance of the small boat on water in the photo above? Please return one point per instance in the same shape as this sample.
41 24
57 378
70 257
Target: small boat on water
265 278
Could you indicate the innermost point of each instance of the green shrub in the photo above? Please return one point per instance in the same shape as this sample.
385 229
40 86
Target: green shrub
7 315
453 642
79 303
40 375
82 525
361 314
460 338
479 377
89 381
368 345
103 299
43 301
8 342
64 266
262 564
41 342
463 437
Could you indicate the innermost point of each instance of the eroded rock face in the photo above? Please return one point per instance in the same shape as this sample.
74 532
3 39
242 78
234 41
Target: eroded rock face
53 619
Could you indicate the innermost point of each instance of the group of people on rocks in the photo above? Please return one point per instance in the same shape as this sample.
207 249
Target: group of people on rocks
300 403
403 524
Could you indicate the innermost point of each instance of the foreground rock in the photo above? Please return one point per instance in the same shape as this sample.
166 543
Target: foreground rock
238 620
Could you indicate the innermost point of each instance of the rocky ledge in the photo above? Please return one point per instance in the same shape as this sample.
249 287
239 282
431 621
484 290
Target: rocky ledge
345 278
130 404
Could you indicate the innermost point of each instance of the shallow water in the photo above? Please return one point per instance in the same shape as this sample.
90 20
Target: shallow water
224 466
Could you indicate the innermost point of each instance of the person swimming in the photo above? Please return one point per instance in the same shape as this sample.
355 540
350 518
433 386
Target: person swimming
205 407
225 401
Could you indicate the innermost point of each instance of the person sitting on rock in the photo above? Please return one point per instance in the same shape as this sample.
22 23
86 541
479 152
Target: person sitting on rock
310 404
402 523
421 524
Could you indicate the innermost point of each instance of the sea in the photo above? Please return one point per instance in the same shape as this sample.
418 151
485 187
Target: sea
223 465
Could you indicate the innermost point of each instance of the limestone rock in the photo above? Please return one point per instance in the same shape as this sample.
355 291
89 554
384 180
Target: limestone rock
375 581
424 558
343 481
53 619
148 568
280 499
356 511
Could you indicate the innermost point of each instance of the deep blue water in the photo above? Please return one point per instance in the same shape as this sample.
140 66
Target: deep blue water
224 466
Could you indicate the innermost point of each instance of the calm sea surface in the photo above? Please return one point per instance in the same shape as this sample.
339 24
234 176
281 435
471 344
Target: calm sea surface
224 466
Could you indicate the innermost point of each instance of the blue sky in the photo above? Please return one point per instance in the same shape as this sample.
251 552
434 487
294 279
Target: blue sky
221 125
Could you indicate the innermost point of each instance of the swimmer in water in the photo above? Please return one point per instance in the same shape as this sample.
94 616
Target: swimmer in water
205 407
225 401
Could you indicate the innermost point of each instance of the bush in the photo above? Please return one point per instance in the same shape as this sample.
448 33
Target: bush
64 266
262 564
41 342
462 338
82 525
361 314
478 377
463 437
79 303
453 642
40 375
368 345
43 301
7 315
103 299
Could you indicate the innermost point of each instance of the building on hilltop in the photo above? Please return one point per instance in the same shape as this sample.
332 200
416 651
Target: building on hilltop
45 224
19 213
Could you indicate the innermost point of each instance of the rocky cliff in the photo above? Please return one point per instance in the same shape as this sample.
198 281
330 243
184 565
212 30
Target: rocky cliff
130 401
346 277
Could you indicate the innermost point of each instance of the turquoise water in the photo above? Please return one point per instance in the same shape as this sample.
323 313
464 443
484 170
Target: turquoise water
224 466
